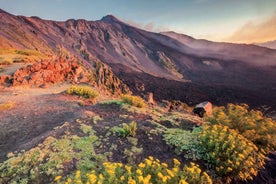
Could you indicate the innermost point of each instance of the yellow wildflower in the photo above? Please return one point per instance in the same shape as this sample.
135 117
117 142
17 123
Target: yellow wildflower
122 178
175 170
229 169
128 168
182 181
101 177
160 175
229 161
151 158
78 173
147 179
140 179
176 162
69 180
148 162
139 172
142 165
241 156
164 165
170 173
164 179
197 170
131 181
57 178
92 178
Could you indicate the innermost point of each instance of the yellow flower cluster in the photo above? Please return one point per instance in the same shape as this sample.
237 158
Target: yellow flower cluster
194 174
230 154
150 171
84 91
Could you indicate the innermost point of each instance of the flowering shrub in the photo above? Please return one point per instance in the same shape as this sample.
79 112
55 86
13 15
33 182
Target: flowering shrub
50 158
149 171
250 123
84 91
133 100
229 153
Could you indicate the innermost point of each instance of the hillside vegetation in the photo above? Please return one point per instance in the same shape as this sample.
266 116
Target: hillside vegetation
122 142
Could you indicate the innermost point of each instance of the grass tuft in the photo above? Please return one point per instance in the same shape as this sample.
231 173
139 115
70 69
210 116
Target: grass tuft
83 91
134 100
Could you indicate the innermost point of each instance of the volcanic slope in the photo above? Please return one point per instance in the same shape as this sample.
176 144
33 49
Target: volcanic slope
171 65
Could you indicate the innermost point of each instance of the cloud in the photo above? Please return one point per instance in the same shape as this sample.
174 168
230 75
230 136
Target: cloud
253 32
149 26
134 24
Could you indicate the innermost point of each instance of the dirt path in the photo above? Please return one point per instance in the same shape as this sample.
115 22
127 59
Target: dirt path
34 114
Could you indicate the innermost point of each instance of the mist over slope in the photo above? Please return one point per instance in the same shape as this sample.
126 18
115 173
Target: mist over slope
171 65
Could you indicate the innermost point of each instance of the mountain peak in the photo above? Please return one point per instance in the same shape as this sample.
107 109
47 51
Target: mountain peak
3 11
110 19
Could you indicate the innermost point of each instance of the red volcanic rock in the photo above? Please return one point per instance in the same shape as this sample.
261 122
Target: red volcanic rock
48 72
5 79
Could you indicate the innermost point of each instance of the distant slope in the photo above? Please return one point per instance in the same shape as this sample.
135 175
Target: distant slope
270 44
171 65
228 51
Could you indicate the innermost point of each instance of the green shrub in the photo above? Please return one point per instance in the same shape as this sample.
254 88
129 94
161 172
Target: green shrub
184 141
127 129
149 171
111 102
84 91
229 153
134 100
250 123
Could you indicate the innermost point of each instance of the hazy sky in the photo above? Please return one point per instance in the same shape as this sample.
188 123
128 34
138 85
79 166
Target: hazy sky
220 20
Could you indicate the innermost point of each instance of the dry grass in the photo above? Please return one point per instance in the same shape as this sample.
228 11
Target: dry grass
9 56
6 106
83 91
135 101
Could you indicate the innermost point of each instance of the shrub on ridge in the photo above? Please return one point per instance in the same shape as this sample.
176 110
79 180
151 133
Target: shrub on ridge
84 91
134 100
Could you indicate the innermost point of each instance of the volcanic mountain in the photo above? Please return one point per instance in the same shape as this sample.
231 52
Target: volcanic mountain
171 65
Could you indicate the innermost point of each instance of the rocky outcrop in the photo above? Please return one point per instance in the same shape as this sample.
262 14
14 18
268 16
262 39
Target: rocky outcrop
49 71
59 69
105 77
